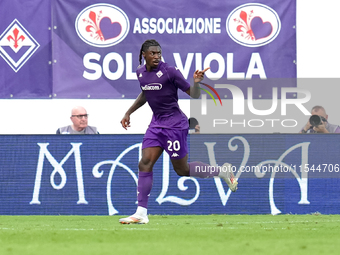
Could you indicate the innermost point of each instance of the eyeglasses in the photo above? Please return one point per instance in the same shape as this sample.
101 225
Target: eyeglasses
81 116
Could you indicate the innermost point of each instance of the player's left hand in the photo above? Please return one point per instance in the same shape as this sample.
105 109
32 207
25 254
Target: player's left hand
199 75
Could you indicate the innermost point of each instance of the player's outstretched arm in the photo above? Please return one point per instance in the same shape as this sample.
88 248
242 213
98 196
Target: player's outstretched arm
139 102
194 91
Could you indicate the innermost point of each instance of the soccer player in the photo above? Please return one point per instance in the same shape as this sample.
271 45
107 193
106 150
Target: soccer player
168 129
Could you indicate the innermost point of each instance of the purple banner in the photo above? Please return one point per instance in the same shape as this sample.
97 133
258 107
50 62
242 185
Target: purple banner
25 49
91 49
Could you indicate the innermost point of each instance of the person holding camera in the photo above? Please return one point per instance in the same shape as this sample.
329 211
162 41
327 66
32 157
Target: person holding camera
194 127
318 123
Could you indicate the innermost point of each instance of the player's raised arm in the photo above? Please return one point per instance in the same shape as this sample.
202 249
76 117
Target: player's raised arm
194 91
140 101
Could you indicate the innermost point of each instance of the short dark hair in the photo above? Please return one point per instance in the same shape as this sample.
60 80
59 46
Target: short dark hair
145 47
192 122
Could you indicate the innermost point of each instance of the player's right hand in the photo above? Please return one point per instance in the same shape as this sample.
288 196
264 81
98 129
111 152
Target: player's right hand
125 122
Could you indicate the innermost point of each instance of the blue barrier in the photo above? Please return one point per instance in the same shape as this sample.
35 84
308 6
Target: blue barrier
97 175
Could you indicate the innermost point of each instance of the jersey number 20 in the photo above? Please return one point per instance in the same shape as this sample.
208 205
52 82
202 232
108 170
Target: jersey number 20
176 146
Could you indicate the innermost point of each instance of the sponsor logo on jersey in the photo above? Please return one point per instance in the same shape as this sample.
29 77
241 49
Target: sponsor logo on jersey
17 45
102 25
152 86
253 25
174 155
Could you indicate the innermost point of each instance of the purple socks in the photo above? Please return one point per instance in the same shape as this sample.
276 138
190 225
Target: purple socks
197 169
144 188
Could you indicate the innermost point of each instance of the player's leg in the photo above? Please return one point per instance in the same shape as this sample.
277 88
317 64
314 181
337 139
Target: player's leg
202 170
178 140
194 169
150 156
177 148
151 151
145 178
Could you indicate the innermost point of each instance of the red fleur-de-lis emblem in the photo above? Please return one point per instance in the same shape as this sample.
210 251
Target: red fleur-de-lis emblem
244 26
15 39
93 26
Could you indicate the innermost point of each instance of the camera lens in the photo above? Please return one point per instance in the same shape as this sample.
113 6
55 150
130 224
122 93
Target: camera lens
315 120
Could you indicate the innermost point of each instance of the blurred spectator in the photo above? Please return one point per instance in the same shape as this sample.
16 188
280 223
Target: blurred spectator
194 127
79 118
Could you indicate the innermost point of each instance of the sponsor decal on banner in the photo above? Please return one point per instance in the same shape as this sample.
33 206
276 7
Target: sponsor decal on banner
174 26
238 41
253 25
89 29
17 45
102 25
249 25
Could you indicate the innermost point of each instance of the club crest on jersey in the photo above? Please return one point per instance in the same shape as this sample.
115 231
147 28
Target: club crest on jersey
152 86
159 74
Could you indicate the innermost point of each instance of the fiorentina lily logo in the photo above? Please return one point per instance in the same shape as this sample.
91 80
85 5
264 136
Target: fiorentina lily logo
253 25
17 45
102 25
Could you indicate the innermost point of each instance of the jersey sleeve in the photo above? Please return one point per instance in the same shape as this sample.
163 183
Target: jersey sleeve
179 80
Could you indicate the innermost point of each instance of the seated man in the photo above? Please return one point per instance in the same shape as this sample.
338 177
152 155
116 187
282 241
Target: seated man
79 118
323 126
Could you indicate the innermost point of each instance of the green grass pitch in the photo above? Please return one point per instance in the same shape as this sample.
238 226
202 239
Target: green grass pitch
186 234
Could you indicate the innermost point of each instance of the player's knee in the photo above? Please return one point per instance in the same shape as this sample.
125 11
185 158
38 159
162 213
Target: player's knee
145 166
181 172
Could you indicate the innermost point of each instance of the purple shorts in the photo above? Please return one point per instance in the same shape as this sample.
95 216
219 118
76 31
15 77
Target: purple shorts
173 141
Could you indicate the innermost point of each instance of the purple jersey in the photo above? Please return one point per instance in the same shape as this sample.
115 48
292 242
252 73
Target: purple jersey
160 88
